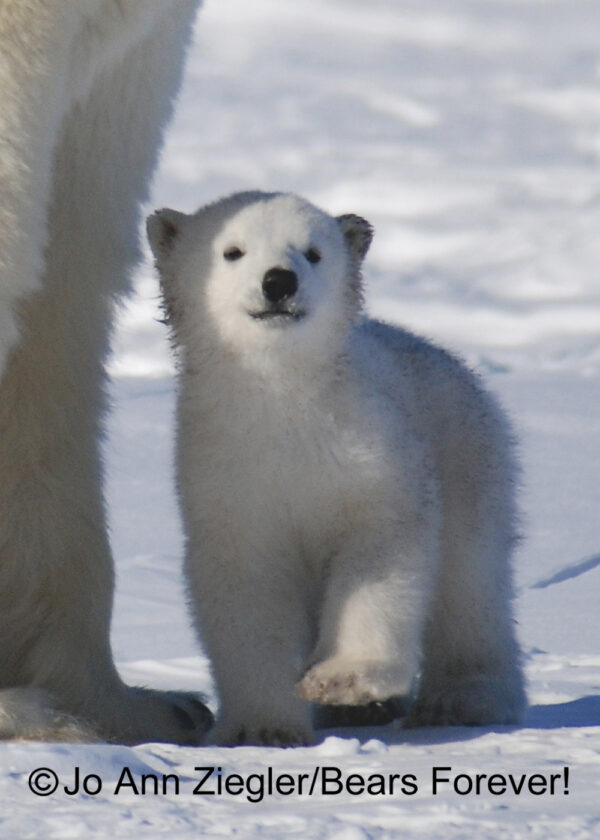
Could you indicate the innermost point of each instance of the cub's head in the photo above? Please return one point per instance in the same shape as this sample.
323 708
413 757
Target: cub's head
260 272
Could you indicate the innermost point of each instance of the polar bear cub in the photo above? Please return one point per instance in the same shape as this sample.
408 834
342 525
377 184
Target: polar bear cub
346 487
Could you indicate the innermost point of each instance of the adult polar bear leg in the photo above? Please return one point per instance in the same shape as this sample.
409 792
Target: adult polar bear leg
56 577
51 53
35 37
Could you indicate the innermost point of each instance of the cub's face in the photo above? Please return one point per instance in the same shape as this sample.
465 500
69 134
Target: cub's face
278 271
261 272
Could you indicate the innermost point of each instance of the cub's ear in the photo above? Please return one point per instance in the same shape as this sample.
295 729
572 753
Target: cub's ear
358 234
163 227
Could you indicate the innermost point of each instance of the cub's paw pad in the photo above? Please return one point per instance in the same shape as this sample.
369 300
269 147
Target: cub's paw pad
342 683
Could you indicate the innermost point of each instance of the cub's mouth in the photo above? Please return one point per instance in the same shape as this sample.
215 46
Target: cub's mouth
278 315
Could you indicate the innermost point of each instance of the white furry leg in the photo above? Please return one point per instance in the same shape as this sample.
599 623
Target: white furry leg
56 575
254 625
35 37
368 648
472 668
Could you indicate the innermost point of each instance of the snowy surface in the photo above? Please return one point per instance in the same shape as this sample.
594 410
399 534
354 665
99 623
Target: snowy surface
469 134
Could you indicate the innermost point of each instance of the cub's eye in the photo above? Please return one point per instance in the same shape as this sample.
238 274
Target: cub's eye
312 255
233 253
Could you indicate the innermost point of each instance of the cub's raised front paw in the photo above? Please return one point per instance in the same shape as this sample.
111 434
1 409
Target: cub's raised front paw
345 682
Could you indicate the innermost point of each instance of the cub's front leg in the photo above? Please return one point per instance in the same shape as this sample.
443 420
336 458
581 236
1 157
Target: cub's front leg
372 616
250 607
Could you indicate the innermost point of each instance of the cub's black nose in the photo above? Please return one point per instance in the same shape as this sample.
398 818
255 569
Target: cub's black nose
279 284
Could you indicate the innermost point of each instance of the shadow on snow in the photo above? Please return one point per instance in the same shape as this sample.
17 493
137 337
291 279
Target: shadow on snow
579 713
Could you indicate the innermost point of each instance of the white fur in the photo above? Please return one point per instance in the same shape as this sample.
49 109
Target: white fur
87 88
346 487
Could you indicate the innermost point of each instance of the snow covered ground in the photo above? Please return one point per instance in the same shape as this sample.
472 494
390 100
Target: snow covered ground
469 134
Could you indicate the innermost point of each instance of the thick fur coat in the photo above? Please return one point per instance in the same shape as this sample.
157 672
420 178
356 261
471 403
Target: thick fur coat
347 488
87 88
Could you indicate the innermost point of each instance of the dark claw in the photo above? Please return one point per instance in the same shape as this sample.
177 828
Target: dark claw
184 720
201 717
203 713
